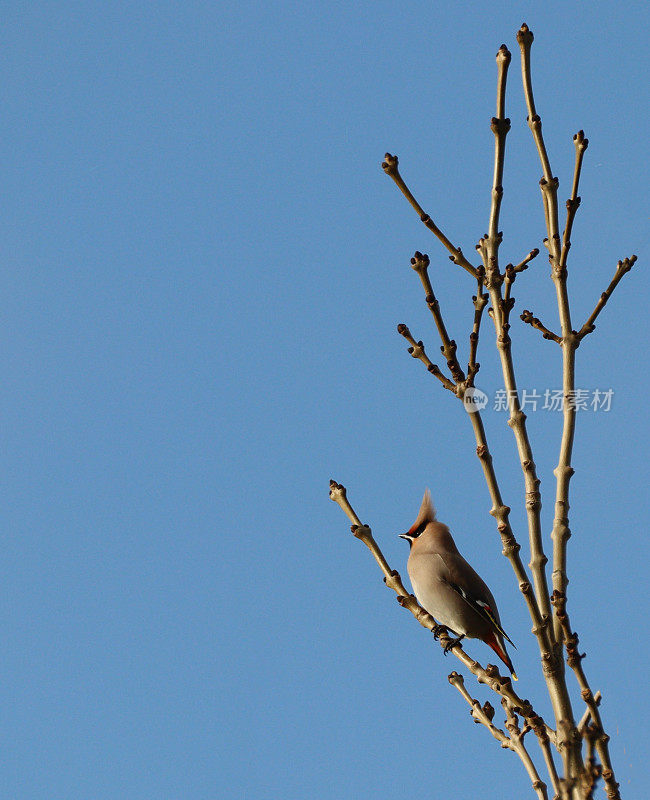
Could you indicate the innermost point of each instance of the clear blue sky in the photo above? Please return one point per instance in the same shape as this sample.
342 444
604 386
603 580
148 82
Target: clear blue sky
203 267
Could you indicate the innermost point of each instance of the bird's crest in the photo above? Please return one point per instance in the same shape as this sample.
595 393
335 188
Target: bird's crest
426 514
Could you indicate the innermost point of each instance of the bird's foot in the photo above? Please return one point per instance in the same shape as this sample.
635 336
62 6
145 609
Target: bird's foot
453 642
437 630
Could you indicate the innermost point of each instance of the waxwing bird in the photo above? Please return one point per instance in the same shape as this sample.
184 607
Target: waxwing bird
448 588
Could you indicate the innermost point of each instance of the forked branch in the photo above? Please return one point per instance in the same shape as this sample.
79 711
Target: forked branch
417 351
484 714
598 736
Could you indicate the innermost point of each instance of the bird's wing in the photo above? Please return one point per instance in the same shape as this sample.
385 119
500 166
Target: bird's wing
481 606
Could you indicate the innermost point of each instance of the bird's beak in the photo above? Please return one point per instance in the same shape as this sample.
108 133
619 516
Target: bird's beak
404 536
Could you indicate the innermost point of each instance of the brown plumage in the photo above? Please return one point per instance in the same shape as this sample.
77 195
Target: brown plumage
448 587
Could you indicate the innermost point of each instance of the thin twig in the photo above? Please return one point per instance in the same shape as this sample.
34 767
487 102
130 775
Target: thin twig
621 268
500 126
548 184
538 726
390 167
563 472
573 203
508 301
529 319
581 726
481 714
417 351
522 265
517 735
480 300
420 263
593 770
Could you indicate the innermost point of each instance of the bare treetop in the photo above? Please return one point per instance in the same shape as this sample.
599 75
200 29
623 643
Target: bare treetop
582 745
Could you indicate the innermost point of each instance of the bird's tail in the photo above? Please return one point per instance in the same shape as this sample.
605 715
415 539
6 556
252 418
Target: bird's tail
500 649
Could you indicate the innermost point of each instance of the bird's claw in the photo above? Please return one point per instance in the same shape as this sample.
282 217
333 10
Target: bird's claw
437 630
452 643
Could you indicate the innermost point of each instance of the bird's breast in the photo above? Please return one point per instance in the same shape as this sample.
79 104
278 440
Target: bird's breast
443 603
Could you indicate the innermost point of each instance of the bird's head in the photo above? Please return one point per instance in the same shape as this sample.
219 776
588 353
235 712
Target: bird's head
426 515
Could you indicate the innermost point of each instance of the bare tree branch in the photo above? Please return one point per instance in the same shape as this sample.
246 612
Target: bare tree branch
621 268
573 203
420 263
481 714
593 770
539 602
587 715
480 300
417 351
529 319
484 715
540 729
390 167
522 265
574 660
517 736
548 184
